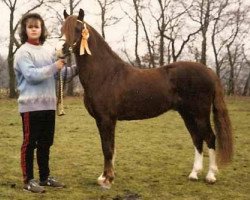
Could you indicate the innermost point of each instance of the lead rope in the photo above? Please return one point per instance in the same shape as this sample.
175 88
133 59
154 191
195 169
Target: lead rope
61 84
60 105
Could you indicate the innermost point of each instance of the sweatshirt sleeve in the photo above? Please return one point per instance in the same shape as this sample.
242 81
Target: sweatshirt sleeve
68 72
32 73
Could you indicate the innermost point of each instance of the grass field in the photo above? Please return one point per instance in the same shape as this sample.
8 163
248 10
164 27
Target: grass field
154 158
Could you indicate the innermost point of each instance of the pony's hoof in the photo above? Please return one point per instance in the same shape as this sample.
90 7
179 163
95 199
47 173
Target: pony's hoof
193 176
103 182
210 180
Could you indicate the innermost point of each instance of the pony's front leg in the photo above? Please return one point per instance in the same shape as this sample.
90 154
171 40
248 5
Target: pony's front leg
107 133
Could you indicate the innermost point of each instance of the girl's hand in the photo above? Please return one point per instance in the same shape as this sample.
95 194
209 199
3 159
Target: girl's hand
60 63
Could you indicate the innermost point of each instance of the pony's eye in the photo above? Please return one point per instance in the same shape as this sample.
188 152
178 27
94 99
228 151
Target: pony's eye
78 30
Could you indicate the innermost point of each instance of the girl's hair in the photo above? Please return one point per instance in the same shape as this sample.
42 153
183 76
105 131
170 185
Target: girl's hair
23 34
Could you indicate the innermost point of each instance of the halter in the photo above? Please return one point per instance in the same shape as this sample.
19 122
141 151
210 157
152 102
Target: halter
84 41
79 38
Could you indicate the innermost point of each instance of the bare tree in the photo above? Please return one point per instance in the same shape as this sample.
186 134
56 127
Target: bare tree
13 43
205 7
149 46
220 24
135 20
124 50
161 24
173 38
52 9
171 25
140 24
246 90
194 51
234 44
201 13
106 20
3 72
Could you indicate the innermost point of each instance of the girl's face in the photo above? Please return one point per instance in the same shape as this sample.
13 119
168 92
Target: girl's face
33 29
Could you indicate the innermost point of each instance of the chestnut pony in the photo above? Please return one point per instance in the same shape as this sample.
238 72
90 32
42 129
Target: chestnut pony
114 90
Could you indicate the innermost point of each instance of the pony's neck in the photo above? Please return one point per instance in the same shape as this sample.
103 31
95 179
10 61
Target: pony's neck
102 54
103 63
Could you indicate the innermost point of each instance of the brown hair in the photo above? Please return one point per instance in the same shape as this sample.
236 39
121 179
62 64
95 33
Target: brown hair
23 34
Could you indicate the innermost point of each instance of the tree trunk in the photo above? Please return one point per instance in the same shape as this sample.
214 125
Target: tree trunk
246 91
231 85
205 24
137 57
161 48
204 48
12 80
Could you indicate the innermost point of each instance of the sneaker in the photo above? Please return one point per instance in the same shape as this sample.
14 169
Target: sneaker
52 182
33 186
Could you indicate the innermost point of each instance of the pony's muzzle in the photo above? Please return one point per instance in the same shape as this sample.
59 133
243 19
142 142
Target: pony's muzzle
59 47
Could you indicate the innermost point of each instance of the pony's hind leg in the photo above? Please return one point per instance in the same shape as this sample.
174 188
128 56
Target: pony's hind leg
200 129
193 125
213 169
197 166
107 131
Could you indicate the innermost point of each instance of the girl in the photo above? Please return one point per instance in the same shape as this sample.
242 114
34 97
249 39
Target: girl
35 69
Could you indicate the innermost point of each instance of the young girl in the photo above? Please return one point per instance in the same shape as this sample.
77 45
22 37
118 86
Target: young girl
36 70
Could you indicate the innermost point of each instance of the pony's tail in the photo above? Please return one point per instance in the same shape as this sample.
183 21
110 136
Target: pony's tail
223 126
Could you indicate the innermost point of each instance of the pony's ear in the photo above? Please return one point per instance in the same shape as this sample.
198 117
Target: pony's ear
81 15
65 14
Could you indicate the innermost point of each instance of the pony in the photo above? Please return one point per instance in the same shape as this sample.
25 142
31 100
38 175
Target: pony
115 90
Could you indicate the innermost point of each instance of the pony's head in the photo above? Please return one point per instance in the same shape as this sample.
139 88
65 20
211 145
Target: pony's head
73 33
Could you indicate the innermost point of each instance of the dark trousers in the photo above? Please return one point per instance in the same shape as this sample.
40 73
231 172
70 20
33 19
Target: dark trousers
38 133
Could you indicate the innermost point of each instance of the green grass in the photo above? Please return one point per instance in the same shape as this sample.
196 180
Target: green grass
154 157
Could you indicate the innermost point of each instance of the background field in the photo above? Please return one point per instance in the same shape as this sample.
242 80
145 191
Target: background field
154 157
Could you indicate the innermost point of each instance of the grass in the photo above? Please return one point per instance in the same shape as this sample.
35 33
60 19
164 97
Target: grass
154 157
